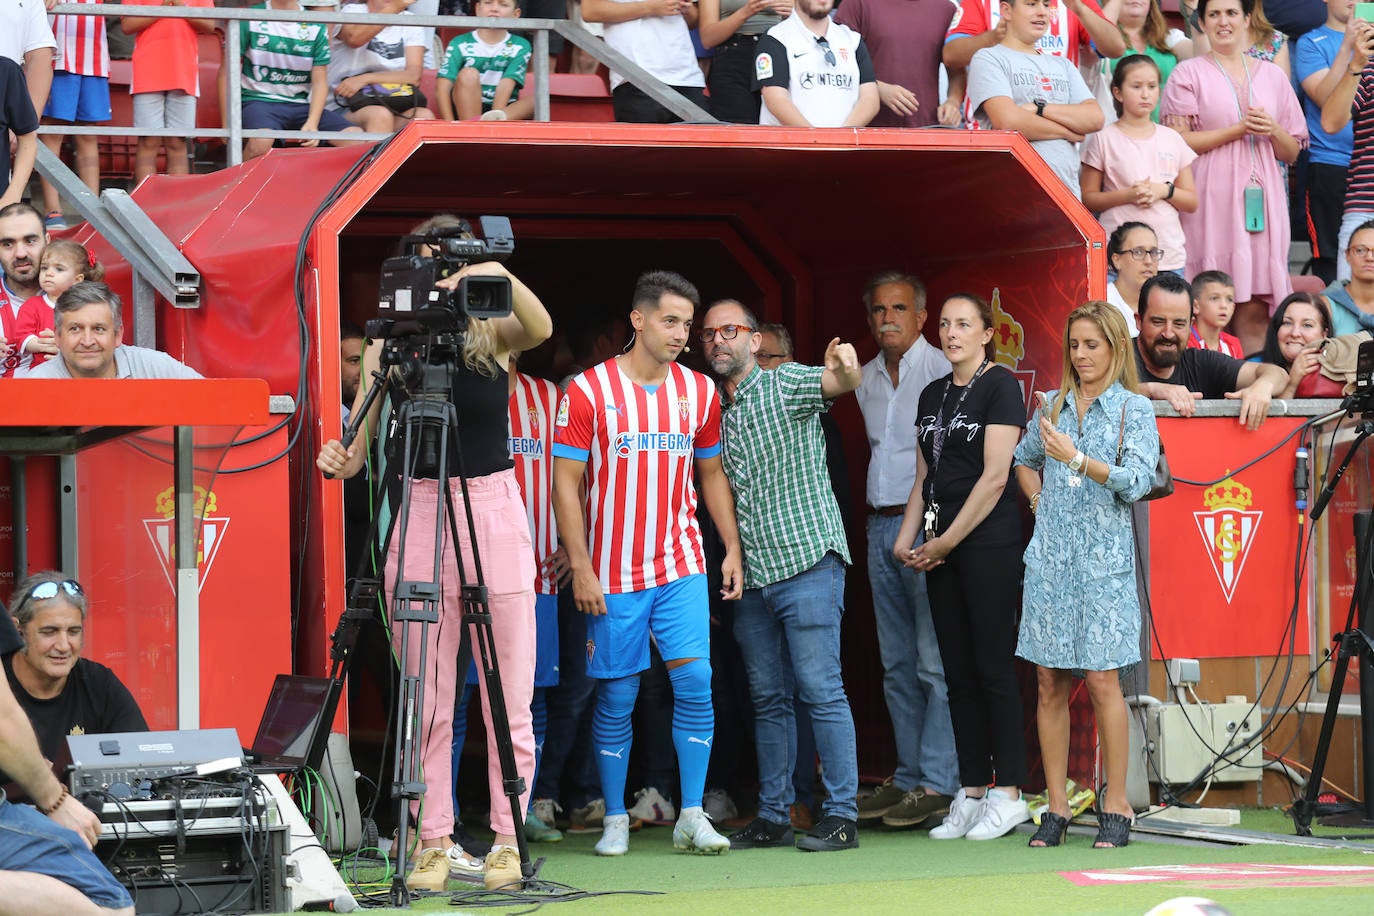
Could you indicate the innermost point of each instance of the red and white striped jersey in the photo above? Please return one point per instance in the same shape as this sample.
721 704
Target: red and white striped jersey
81 45
640 505
532 407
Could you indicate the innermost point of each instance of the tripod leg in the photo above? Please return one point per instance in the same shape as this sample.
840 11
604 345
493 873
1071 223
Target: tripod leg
1351 643
1304 808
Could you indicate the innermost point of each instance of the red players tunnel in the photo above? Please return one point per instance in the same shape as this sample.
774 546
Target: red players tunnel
791 221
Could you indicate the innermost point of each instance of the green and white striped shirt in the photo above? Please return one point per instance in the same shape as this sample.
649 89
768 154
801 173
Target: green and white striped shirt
507 59
773 448
278 58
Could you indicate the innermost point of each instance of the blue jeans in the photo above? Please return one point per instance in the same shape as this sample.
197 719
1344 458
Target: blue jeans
33 843
567 759
789 635
913 676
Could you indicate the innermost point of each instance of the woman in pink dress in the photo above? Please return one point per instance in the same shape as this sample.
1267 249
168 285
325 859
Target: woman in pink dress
1241 117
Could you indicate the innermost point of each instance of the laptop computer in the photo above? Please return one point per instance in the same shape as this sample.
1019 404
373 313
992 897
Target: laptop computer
295 725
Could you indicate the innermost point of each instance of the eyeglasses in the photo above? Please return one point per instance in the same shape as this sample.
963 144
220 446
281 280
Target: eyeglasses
1360 251
763 354
829 54
727 331
1145 254
45 590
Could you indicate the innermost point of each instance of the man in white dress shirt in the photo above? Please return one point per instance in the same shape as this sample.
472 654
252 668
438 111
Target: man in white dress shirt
927 774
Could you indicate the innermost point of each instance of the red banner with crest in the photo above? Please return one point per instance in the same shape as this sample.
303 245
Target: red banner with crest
1222 556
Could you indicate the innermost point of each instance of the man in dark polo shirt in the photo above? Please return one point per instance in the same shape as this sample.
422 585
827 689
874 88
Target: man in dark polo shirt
1170 371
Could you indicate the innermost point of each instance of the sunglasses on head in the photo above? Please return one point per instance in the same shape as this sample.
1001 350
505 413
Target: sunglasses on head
45 590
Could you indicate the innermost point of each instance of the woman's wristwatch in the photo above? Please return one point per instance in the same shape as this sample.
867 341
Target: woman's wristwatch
1077 462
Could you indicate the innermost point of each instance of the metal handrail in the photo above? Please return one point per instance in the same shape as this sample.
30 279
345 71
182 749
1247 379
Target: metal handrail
233 132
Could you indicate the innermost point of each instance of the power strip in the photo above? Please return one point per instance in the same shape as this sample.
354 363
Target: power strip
1201 817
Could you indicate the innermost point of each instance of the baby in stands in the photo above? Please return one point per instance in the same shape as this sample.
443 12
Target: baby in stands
65 263
1214 302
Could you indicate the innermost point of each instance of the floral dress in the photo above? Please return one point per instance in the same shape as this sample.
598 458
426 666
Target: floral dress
1079 603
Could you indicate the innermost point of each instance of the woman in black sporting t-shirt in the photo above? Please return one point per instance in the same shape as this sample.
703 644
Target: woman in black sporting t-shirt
967 426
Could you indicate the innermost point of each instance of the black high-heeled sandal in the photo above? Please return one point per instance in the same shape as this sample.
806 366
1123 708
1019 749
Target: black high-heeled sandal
1051 833
1113 830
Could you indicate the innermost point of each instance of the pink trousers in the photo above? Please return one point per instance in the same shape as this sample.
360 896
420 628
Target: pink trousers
503 541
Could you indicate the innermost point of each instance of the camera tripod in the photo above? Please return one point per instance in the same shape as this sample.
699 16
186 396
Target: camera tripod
1352 643
429 421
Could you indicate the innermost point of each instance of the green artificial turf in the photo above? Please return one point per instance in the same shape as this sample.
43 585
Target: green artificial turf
908 872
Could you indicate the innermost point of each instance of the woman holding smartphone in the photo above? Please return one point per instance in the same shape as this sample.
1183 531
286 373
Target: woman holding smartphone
1088 454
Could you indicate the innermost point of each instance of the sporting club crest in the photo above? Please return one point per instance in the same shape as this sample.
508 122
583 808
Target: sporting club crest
209 534
1228 527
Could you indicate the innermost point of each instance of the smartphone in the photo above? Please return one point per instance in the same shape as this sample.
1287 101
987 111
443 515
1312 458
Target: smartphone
1365 11
1254 207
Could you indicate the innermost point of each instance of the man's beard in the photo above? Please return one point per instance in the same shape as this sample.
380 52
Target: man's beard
1165 358
727 365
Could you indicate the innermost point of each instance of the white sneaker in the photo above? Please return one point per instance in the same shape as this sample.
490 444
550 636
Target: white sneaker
463 866
964 812
496 114
694 833
615 836
718 806
652 808
1000 814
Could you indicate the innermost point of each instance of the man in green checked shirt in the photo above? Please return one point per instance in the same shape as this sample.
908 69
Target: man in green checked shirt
787 622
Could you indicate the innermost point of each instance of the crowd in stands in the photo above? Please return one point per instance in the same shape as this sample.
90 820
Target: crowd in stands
1189 127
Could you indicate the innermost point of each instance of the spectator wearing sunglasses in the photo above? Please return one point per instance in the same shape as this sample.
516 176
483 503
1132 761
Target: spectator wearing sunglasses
62 693
49 869
813 72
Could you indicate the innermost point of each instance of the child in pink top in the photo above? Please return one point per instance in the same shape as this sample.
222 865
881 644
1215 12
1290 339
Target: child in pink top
1135 170
64 264
166 82
1214 302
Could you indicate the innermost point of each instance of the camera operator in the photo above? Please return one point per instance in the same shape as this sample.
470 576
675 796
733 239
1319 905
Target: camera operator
480 395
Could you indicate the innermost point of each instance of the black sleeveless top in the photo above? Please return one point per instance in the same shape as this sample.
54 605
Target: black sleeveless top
483 432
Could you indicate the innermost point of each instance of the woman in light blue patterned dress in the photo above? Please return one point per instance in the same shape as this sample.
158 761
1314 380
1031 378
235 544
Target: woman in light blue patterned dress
1079 604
